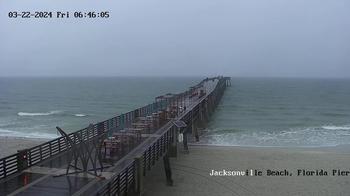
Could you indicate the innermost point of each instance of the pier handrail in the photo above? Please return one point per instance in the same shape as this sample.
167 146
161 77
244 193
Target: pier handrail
15 163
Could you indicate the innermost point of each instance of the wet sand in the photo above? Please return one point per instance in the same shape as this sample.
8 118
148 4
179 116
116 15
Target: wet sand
191 172
10 145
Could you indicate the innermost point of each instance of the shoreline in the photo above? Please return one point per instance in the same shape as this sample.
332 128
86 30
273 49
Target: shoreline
10 144
338 146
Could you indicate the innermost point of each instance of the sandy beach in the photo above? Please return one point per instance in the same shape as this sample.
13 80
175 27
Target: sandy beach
10 145
191 172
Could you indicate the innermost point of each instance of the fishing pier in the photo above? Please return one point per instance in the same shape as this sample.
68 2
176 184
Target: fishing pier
112 157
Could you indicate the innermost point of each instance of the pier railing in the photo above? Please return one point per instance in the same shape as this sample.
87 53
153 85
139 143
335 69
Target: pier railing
13 164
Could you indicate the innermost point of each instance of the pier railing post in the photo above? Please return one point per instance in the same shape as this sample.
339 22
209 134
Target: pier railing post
22 158
138 189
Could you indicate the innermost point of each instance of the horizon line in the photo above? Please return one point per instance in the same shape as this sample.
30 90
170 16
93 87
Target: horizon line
170 76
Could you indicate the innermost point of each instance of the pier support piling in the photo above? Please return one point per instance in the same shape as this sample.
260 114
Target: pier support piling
195 130
185 141
194 126
167 169
173 149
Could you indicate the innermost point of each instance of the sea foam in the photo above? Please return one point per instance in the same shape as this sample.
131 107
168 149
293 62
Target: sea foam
336 127
80 115
38 113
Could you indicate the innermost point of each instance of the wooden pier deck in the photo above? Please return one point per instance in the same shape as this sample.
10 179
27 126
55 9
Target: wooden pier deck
41 170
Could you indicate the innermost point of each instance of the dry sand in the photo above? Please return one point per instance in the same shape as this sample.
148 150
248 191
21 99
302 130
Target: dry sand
191 172
10 145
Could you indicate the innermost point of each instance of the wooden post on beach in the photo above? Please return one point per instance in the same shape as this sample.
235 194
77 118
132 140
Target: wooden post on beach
138 189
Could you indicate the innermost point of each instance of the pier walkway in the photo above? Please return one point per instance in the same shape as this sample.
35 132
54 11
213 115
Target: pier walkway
140 138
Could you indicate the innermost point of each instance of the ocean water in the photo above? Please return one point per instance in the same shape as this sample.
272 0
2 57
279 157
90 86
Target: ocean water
253 111
282 112
33 107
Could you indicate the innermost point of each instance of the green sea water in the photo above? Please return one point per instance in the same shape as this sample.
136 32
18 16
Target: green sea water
252 112
33 107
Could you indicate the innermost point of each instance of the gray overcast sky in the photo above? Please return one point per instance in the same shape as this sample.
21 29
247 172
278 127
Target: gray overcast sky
285 38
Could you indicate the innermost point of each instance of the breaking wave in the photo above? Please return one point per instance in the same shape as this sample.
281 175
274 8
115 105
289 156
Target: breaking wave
312 136
336 127
38 114
80 115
